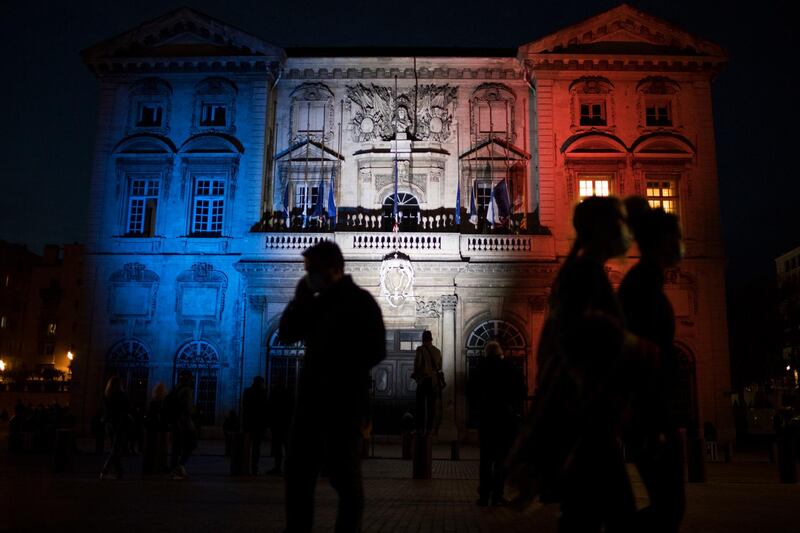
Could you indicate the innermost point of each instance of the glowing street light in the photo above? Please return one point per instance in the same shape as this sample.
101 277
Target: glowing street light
2 365
70 355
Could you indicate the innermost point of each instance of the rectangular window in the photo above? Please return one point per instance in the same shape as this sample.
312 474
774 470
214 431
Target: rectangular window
142 204
493 118
310 117
214 115
209 206
150 115
594 186
7 280
483 195
306 196
593 113
51 328
658 113
3 322
663 192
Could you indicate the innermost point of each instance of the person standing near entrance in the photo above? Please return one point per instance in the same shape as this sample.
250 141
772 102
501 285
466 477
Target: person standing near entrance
179 404
342 328
254 419
427 365
497 392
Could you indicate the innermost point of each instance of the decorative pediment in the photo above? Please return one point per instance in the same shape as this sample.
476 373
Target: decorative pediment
495 148
182 33
663 145
623 30
594 143
308 151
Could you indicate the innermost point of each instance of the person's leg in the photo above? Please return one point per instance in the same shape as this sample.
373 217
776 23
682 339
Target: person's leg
666 485
485 466
302 469
430 406
255 451
175 451
343 457
419 411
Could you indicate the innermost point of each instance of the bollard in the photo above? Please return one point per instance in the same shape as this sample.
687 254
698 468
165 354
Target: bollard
407 445
64 450
422 463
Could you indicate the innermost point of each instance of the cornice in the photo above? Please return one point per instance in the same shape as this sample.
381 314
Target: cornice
371 73
616 62
108 66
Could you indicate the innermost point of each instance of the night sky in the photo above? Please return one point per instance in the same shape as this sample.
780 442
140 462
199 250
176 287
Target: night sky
49 98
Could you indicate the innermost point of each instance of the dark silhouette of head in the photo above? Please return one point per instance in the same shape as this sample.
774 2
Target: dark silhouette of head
601 228
658 235
324 265
258 382
114 384
427 336
493 349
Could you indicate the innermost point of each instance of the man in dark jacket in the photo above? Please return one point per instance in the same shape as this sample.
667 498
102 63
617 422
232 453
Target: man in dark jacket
254 418
342 328
497 392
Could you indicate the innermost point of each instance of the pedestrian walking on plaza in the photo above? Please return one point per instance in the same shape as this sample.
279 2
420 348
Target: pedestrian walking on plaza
179 405
652 438
427 366
281 406
342 328
496 390
569 451
117 419
254 419
154 459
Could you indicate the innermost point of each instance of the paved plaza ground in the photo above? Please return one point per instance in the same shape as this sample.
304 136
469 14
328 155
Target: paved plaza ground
741 496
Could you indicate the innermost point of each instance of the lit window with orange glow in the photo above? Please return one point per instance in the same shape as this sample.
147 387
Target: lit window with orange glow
594 186
663 193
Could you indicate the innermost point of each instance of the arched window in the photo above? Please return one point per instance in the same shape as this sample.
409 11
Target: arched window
407 211
129 359
284 362
201 359
511 340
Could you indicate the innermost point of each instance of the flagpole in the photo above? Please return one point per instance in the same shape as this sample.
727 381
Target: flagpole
395 210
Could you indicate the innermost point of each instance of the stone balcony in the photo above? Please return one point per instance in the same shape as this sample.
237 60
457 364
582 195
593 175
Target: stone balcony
420 246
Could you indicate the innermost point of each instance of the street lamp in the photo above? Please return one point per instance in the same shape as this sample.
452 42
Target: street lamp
70 355
2 365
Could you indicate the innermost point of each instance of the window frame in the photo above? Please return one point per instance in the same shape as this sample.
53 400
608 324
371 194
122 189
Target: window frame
657 201
594 178
215 201
144 198
592 121
657 103
213 107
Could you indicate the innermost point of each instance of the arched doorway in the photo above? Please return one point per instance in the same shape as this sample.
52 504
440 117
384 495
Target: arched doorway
202 360
284 362
407 210
130 360
511 340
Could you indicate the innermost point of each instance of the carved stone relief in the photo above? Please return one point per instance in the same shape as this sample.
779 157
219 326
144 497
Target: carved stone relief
132 293
377 113
427 308
200 294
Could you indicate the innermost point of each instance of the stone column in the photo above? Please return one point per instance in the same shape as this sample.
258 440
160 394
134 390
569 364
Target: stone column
448 431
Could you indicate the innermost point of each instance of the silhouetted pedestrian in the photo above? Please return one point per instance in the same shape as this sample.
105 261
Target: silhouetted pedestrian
427 365
179 404
570 450
254 419
497 391
281 406
652 438
117 419
156 428
342 328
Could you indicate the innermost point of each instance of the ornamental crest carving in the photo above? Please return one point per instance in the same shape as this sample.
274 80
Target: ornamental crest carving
429 308
377 113
397 278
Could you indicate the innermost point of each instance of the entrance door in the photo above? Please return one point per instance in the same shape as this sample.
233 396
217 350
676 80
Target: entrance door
393 389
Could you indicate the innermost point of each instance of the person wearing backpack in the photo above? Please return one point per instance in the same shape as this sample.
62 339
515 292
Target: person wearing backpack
179 407
427 369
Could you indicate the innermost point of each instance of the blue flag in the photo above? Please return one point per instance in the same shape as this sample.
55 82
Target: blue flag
458 204
319 206
499 204
332 199
473 210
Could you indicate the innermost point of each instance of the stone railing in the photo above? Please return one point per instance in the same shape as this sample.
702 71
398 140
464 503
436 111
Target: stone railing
432 246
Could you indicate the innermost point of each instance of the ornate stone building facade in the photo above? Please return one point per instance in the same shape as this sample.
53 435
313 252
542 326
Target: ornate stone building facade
220 157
